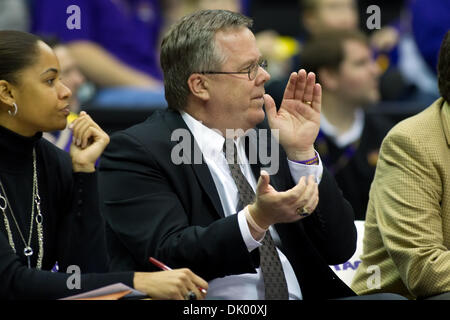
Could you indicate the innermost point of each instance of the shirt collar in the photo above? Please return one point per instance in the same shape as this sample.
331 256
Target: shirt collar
210 141
348 137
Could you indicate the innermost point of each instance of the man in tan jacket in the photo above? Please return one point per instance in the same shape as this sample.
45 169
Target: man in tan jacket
406 247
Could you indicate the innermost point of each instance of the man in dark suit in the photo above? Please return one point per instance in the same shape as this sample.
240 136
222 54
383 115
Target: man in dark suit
168 190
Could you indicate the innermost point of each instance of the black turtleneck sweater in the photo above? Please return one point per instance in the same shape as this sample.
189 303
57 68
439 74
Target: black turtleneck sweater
73 226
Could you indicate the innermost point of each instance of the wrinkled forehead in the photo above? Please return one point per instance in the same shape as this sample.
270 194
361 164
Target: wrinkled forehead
237 44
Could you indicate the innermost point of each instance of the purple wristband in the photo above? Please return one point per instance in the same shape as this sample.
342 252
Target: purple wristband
311 161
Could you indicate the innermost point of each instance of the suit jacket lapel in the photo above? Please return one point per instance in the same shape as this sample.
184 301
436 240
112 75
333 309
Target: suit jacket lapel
201 170
206 181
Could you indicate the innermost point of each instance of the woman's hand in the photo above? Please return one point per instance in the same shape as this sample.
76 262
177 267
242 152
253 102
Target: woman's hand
170 285
88 143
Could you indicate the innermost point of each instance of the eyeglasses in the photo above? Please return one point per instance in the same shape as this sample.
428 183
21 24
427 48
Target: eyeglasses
251 72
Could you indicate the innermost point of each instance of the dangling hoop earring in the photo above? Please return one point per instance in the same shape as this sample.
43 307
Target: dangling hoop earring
13 114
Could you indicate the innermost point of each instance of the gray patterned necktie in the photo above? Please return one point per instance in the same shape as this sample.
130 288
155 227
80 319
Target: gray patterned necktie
274 281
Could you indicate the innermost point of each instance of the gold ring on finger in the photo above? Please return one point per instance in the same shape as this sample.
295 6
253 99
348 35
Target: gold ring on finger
303 212
190 296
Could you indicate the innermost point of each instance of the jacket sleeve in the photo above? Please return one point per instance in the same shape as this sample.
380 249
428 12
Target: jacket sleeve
19 282
331 227
407 194
81 232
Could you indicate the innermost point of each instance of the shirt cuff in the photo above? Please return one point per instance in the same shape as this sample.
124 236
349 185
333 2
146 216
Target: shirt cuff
299 170
249 241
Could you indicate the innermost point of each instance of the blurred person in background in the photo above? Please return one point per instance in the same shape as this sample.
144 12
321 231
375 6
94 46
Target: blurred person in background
323 15
14 15
348 139
404 46
115 44
424 25
319 16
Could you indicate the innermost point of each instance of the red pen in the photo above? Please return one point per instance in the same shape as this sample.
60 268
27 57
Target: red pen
162 266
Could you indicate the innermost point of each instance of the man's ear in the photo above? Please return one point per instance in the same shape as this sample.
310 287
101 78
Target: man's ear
6 93
328 78
199 86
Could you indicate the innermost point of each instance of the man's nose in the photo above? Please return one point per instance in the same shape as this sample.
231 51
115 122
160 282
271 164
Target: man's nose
262 76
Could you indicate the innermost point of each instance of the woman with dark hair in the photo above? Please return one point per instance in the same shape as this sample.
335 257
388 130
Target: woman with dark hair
48 199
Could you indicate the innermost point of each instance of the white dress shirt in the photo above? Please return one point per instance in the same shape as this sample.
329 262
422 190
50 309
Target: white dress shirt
247 286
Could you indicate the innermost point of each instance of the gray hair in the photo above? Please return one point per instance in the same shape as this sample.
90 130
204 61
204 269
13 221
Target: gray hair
189 47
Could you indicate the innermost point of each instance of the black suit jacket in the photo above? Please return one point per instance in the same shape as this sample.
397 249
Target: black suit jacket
173 212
